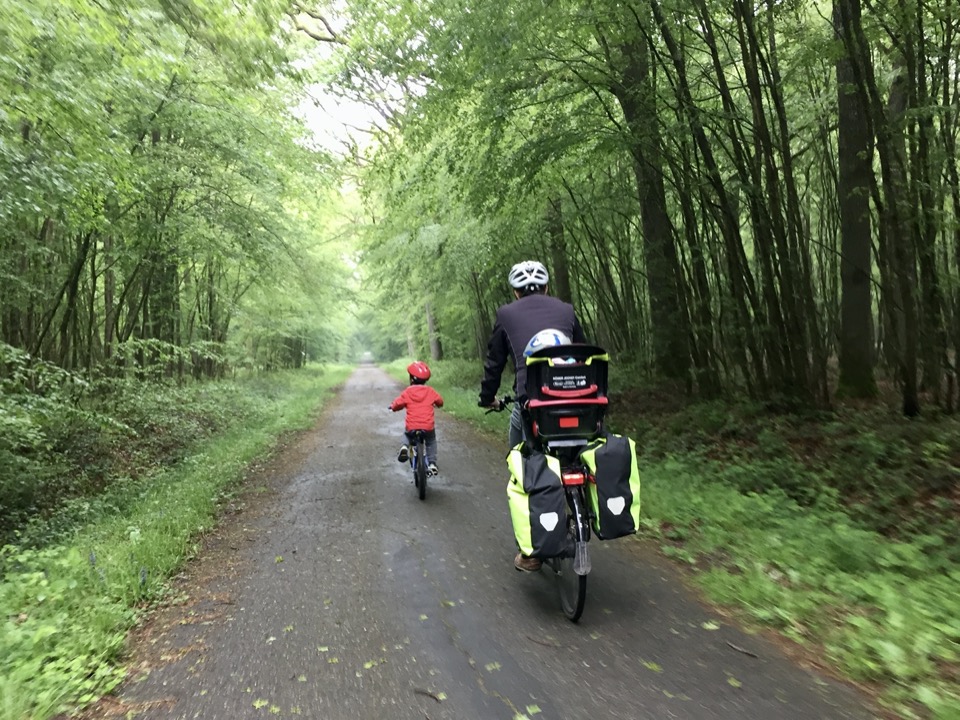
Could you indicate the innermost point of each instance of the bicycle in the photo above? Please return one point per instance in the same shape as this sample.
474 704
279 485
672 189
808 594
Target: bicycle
570 570
418 461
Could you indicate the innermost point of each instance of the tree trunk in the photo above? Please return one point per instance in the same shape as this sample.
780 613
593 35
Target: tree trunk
560 280
952 239
855 161
925 226
436 348
885 126
670 325
743 294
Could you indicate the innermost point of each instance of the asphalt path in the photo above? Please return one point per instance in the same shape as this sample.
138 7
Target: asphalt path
339 594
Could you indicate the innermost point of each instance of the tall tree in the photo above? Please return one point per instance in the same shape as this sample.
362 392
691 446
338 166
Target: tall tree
855 162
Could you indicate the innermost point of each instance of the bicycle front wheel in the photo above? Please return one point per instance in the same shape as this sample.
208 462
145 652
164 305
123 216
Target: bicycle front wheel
421 470
572 587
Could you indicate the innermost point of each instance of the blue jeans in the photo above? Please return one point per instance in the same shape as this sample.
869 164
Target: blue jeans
430 438
517 430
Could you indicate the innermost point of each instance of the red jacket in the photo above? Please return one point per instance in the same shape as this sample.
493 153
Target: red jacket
419 401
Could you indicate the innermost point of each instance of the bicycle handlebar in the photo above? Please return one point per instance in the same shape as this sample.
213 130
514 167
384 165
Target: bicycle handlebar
501 405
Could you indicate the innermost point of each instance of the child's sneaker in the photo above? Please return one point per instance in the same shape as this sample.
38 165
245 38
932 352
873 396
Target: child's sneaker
403 455
432 468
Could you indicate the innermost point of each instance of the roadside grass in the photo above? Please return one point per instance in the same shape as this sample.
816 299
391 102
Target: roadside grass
885 612
67 606
837 529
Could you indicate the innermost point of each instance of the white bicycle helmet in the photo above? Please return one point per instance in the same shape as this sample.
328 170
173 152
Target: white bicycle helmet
546 338
528 274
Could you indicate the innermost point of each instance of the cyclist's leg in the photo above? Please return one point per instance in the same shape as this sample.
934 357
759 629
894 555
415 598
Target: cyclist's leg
431 439
517 434
517 431
404 453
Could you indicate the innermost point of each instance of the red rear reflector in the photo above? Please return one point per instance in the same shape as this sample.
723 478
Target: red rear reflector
569 422
573 478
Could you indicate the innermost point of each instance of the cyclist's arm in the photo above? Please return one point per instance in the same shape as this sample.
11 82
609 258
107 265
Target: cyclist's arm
498 350
437 399
578 334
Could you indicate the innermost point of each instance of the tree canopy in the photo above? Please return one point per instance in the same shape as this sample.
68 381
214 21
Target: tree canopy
757 198
736 198
161 192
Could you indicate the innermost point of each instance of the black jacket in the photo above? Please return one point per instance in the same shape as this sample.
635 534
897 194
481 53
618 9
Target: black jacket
516 323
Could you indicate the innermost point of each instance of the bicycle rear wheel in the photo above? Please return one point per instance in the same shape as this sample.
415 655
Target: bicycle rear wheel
572 587
421 470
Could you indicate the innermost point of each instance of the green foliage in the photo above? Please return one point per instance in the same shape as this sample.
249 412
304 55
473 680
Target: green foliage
885 611
67 608
155 173
34 400
604 138
72 449
823 525
888 474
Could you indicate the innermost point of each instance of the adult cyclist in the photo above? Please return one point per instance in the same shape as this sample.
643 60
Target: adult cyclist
531 311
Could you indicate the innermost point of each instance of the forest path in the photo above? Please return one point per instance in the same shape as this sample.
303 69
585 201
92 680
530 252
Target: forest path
335 593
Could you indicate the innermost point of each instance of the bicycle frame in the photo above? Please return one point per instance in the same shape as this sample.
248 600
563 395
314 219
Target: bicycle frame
574 475
418 461
571 573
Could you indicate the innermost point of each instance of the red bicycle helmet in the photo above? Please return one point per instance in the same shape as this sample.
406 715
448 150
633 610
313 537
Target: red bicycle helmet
419 370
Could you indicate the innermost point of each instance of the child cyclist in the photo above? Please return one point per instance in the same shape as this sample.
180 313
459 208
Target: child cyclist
419 400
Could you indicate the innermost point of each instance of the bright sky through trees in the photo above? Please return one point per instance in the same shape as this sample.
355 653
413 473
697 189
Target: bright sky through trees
336 122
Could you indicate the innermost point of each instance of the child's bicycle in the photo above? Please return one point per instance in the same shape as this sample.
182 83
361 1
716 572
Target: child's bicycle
418 461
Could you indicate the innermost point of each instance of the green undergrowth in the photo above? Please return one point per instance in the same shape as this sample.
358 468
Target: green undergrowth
67 606
73 447
885 611
898 476
839 529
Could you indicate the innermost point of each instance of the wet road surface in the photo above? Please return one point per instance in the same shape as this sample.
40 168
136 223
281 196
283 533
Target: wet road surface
342 595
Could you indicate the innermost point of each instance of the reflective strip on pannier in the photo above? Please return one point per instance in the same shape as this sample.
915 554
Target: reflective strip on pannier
538 505
615 497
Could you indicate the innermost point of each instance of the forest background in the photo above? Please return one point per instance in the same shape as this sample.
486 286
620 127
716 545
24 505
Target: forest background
754 207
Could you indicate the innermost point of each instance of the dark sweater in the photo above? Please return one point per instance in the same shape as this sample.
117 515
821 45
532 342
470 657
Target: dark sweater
516 323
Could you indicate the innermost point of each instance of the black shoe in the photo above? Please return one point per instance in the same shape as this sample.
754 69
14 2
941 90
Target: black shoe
432 469
403 455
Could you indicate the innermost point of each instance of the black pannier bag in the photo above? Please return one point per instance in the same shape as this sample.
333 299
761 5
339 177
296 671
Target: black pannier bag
566 390
614 494
538 504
